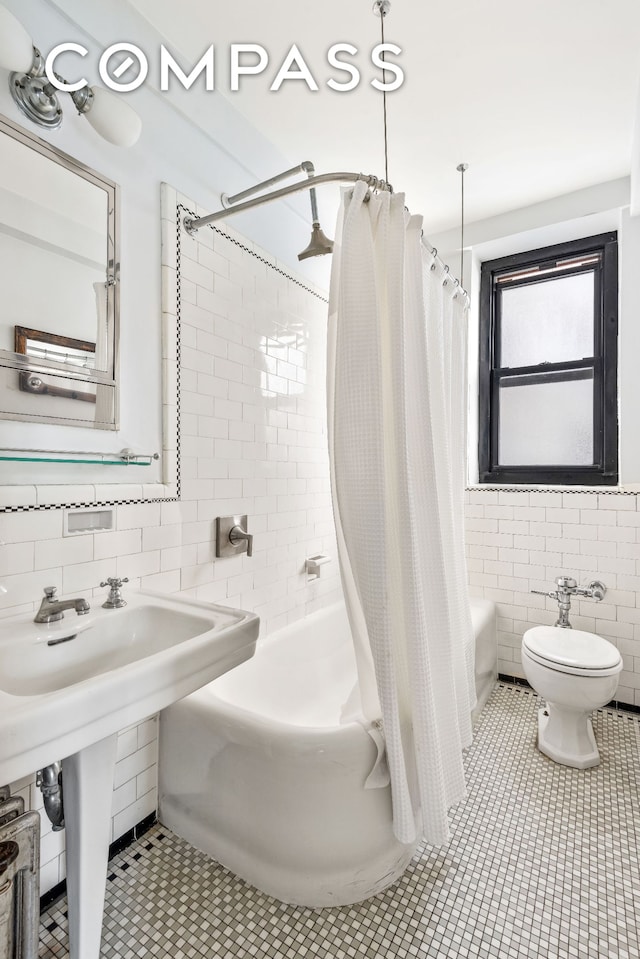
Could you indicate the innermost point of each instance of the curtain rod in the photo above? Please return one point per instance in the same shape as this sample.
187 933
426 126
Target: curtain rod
433 250
192 225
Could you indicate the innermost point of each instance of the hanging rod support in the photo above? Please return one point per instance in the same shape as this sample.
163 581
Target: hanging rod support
381 7
192 225
462 169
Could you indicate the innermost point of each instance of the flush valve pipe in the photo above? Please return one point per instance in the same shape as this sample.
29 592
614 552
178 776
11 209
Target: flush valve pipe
566 587
49 781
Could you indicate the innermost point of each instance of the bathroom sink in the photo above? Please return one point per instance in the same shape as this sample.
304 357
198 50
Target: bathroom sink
83 651
66 685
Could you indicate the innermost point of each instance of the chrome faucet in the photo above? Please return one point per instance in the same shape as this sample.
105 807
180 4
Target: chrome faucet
115 599
52 609
566 588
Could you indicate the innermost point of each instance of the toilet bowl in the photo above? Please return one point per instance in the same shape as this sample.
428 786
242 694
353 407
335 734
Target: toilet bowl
574 672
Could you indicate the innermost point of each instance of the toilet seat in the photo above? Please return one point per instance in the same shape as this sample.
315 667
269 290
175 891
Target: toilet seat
572 651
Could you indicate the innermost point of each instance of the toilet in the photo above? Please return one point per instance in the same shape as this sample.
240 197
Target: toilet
574 672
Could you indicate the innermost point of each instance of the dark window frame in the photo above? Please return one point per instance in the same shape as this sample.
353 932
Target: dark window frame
604 363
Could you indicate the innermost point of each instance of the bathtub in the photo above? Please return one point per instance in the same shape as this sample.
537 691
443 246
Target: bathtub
256 771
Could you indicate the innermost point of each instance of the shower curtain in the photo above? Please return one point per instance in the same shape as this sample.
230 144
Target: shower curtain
397 419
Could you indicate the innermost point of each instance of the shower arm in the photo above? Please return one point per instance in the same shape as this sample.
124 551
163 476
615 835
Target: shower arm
192 225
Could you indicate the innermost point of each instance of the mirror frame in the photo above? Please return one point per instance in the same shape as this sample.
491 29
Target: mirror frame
24 496
23 364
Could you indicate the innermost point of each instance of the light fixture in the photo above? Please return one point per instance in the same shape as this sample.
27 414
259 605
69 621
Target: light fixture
39 100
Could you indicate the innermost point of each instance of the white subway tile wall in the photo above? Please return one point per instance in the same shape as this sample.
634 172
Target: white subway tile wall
522 540
252 440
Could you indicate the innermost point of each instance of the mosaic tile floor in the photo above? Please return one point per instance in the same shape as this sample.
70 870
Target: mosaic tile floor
544 862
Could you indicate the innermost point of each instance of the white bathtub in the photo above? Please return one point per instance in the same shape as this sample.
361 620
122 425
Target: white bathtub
257 771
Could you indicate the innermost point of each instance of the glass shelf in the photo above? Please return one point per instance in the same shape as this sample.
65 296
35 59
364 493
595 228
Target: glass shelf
124 458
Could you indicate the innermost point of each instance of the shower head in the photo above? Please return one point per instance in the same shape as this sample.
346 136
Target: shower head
319 244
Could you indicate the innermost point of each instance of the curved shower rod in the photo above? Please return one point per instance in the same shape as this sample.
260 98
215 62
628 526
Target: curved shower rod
231 205
192 225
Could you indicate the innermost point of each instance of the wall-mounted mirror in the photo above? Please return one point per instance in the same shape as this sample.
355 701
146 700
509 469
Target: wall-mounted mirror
58 275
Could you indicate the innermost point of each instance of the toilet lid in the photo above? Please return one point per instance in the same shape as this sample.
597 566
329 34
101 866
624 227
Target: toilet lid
571 647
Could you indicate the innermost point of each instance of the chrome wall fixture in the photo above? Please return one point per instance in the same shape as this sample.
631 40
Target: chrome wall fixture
566 588
38 99
232 537
313 565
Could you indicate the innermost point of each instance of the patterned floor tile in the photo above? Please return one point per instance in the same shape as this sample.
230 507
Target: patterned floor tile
543 863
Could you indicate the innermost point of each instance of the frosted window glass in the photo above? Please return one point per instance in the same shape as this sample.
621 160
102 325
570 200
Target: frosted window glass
549 321
546 424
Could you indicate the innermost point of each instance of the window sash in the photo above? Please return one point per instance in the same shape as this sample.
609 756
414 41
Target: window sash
531 281
599 256
550 373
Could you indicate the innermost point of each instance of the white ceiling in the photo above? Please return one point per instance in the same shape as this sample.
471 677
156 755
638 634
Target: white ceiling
538 98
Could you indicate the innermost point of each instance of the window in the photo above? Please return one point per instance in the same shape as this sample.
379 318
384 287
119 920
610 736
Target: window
548 363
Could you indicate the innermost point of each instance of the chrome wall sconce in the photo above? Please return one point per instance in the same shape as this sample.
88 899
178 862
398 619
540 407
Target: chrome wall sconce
39 100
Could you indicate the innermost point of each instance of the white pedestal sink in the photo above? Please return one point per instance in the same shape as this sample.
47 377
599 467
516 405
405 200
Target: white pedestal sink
67 688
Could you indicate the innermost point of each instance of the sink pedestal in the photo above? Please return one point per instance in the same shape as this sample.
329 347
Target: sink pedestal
88 786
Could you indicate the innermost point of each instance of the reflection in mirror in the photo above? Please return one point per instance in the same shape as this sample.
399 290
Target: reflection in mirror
59 271
48 397
49 346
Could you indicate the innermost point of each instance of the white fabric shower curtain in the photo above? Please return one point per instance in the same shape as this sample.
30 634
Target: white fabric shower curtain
397 424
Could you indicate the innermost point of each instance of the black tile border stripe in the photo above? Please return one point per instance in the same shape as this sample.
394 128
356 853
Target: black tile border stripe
614 704
256 256
126 840
589 491
115 502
